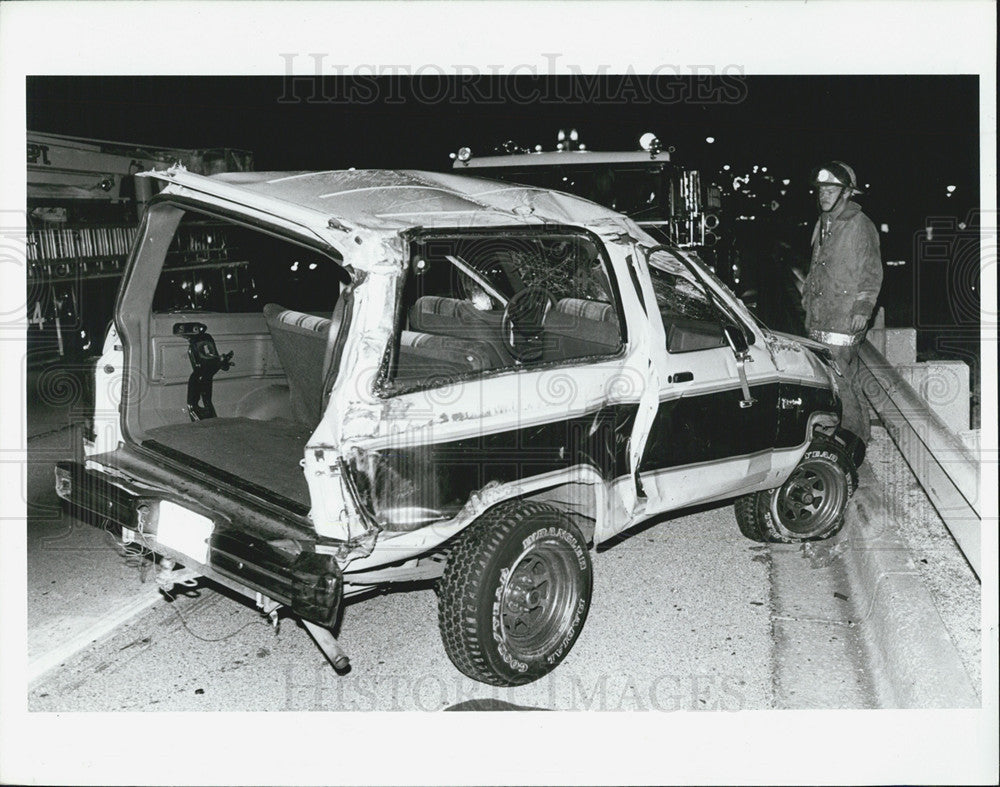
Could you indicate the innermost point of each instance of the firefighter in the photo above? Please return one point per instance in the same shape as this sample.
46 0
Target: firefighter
840 291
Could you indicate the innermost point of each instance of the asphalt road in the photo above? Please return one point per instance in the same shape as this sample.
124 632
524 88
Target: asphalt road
681 619
686 615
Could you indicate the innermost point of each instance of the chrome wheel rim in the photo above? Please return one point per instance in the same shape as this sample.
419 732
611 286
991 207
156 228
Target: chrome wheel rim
537 599
811 500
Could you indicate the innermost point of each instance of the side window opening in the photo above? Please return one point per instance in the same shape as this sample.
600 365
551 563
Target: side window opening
475 304
690 319
213 265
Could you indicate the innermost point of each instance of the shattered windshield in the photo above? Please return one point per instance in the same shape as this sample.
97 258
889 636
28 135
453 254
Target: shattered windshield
488 272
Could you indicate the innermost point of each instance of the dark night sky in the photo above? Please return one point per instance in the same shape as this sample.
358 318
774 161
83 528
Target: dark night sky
888 127
909 136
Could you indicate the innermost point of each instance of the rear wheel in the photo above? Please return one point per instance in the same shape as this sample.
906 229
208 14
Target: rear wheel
809 506
515 594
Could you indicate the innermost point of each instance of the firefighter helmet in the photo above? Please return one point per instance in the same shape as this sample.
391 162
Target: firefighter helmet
836 173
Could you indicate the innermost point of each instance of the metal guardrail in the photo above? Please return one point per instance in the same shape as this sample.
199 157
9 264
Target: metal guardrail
943 465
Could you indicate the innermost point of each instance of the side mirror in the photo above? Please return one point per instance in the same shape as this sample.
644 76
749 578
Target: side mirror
736 338
749 298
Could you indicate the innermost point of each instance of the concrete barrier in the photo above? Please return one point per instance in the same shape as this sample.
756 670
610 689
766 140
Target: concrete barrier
900 346
972 440
946 469
944 386
896 345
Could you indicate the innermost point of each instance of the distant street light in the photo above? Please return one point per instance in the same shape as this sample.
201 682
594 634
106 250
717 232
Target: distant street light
710 140
951 189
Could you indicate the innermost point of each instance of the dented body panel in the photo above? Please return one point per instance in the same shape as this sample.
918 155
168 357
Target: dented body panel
452 442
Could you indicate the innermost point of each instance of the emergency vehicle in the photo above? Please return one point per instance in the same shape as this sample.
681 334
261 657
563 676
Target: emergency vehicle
83 211
673 204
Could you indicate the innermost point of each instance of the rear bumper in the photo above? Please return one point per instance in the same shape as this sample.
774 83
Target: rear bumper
310 583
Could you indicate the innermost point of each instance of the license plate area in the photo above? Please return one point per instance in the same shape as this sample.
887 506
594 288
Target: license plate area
184 531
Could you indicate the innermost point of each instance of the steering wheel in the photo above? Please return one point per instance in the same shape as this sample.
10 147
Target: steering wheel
523 322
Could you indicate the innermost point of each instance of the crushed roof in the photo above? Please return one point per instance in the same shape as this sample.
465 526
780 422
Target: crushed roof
407 198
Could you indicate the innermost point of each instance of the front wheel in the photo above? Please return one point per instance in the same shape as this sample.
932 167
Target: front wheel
515 594
809 506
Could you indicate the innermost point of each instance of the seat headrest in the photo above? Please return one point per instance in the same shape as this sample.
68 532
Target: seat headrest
274 313
589 310
436 304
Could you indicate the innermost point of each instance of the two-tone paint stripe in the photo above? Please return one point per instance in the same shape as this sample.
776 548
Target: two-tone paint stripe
686 431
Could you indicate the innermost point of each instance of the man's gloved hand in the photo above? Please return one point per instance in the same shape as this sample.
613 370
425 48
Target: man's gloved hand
858 323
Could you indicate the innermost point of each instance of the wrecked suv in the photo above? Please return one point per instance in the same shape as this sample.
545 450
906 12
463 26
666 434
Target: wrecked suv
393 377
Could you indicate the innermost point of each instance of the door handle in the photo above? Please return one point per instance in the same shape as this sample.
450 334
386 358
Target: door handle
680 377
747 400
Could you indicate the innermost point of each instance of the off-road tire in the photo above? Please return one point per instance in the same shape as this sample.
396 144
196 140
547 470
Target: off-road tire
854 448
809 506
515 594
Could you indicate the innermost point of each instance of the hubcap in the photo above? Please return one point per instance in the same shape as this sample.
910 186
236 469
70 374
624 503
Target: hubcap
538 599
811 500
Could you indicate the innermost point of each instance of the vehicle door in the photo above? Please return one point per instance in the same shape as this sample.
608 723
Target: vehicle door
714 430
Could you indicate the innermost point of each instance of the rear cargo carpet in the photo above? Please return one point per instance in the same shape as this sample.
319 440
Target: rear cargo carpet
265 453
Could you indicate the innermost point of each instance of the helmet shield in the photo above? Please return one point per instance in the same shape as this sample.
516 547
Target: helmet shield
836 173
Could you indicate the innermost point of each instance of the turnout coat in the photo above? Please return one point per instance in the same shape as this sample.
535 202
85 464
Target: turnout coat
845 275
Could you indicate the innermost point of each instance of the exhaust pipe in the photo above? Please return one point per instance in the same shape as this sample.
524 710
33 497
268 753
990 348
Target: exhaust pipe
328 644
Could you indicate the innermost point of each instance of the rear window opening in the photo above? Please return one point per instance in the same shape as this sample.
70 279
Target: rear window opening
227 329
